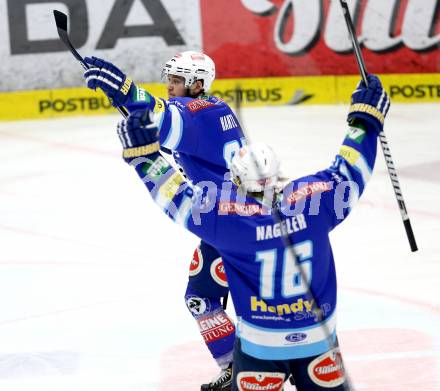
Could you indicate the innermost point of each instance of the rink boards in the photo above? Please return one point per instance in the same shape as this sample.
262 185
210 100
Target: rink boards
300 90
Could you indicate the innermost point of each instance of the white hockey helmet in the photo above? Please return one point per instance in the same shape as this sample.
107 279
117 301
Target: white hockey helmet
255 168
192 66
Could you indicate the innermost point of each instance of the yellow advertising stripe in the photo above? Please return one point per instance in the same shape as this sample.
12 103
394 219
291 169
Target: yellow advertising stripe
308 90
402 88
350 154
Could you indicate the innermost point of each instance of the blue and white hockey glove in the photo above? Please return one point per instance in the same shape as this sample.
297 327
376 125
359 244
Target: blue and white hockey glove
139 136
110 79
370 104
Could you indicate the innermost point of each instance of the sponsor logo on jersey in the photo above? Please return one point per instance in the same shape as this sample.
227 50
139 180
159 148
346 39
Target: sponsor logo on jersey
356 134
218 272
308 191
285 227
228 122
141 94
295 337
260 381
327 369
196 264
198 104
215 326
159 106
197 305
350 154
156 169
169 189
299 306
235 208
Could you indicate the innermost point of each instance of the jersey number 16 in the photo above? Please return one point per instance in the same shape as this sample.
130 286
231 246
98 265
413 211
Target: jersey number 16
292 281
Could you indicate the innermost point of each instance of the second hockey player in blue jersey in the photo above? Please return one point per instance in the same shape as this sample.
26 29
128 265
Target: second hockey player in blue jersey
274 243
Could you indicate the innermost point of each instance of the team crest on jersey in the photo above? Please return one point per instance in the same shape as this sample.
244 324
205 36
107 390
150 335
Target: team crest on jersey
327 370
251 381
218 272
198 104
197 305
196 263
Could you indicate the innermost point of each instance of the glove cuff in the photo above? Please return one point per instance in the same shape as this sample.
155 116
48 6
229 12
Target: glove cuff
368 113
370 110
144 150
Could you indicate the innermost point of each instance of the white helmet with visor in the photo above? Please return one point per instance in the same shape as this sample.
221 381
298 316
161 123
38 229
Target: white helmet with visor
192 66
255 167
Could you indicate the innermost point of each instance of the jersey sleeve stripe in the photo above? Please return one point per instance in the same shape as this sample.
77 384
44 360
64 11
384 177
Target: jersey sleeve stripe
362 166
354 192
184 212
175 133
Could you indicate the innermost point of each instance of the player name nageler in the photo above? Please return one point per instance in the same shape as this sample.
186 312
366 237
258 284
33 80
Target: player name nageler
285 227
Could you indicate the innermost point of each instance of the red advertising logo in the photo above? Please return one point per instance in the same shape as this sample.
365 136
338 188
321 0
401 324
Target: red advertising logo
198 104
218 272
196 263
308 190
215 326
261 381
327 370
309 37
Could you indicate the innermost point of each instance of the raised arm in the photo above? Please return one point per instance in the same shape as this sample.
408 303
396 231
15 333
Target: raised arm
174 122
339 187
192 207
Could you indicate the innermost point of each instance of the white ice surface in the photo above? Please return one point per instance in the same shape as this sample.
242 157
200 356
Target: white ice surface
92 275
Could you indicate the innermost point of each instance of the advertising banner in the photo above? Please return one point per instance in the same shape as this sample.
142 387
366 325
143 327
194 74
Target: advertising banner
257 38
137 35
276 51
253 92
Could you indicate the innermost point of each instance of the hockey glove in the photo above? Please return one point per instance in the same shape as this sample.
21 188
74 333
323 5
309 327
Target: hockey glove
139 135
370 103
110 79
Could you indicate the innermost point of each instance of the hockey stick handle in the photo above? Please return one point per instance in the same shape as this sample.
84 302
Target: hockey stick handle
382 137
61 23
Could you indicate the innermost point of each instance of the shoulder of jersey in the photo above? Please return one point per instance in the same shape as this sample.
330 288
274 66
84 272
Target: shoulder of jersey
203 103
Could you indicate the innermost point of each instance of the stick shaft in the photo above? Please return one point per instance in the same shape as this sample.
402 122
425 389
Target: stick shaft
382 137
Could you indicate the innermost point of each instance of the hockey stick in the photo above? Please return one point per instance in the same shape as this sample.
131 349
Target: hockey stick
288 244
382 137
61 22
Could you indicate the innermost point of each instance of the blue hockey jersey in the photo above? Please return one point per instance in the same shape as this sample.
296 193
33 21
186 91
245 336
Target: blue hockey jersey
203 134
277 315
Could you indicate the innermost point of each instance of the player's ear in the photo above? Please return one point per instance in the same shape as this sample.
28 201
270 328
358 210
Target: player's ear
197 86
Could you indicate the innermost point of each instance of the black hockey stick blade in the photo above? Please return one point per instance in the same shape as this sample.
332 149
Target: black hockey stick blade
61 23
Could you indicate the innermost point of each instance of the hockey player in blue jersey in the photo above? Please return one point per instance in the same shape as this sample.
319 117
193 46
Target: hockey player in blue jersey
274 242
202 133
